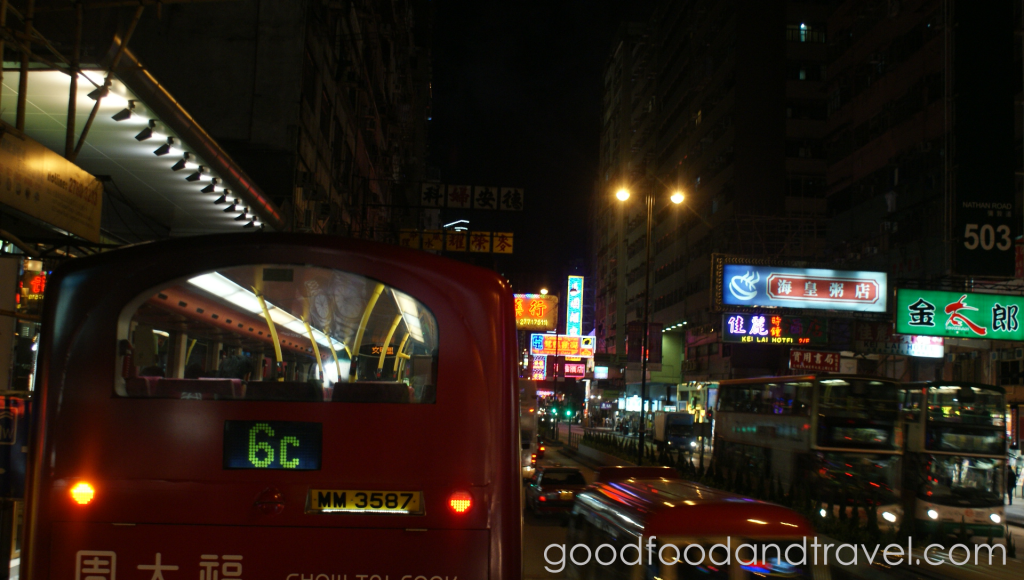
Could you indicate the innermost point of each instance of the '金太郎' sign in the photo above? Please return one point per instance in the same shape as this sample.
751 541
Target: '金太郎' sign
562 345
774 329
536 311
757 286
959 314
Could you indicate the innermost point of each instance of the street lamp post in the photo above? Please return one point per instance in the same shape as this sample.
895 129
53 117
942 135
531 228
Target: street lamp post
676 198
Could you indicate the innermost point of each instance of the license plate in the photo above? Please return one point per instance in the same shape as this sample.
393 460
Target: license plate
365 501
565 495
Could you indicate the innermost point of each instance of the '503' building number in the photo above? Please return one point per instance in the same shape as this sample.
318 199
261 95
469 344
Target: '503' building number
987 237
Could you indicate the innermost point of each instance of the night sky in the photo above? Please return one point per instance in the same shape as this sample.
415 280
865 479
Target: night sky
517 102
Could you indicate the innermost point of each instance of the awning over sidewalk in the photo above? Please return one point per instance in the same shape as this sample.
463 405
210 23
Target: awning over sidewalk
162 187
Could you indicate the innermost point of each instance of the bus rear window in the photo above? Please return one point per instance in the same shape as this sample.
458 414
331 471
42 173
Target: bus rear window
278 333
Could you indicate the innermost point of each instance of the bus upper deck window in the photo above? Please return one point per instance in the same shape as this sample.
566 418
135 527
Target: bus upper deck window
278 333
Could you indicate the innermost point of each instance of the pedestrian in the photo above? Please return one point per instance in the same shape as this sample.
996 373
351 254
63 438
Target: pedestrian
1011 484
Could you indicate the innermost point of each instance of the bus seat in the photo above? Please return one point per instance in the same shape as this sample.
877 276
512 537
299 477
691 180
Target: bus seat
283 391
140 387
372 392
197 389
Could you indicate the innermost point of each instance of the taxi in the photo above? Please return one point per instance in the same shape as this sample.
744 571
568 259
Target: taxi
553 489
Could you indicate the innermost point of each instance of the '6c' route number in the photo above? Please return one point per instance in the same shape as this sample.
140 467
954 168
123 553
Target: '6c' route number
261 452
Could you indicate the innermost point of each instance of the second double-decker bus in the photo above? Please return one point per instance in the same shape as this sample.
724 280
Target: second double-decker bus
839 436
275 406
955 460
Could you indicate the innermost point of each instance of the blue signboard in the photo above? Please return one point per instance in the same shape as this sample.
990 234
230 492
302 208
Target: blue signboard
804 288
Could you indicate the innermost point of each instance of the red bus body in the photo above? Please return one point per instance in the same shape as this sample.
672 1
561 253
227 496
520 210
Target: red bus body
163 498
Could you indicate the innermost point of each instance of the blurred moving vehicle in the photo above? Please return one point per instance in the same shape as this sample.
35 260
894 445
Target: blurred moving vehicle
671 515
675 430
955 458
554 489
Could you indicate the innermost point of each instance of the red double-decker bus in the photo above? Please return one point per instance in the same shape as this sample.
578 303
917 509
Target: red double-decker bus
275 406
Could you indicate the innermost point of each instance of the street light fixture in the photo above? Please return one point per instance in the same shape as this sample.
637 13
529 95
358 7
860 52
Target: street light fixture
676 198
544 291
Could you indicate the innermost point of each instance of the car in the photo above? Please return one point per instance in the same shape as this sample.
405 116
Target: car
541 448
553 489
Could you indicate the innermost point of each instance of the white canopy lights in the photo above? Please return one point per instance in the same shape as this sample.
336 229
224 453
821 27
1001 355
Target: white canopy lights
223 288
202 175
673 327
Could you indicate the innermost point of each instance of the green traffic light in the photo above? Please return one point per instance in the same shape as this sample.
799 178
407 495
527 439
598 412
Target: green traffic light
568 413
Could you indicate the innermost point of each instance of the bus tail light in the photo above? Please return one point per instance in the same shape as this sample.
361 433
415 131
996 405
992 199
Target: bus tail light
533 459
82 493
460 502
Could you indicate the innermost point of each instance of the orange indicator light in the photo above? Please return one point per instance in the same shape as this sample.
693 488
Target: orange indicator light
82 493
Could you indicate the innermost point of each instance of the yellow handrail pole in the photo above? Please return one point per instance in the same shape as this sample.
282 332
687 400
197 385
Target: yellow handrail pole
316 349
188 353
387 341
273 330
370 304
398 353
334 353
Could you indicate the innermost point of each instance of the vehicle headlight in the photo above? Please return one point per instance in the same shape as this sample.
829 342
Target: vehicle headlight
693 443
889 517
933 514
822 512
995 518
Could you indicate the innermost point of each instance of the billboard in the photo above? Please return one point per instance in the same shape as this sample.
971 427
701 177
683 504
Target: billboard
810 288
539 370
959 314
774 329
878 338
574 308
562 345
536 311
814 360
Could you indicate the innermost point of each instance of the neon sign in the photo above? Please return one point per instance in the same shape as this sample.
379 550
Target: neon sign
574 310
959 314
562 345
536 311
539 370
774 329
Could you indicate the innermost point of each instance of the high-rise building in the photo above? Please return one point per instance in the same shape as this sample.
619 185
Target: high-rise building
723 101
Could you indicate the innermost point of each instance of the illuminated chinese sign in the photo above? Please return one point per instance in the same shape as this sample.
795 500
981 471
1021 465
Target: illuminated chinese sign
878 338
536 311
959 314
774 329
539 370
574 310
813 360
756 286
562 345
577 370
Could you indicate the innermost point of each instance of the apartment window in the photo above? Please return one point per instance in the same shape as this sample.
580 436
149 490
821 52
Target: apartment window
804 32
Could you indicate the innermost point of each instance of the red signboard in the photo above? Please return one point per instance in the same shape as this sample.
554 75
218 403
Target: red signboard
813 360
822 288
575 369
562 345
